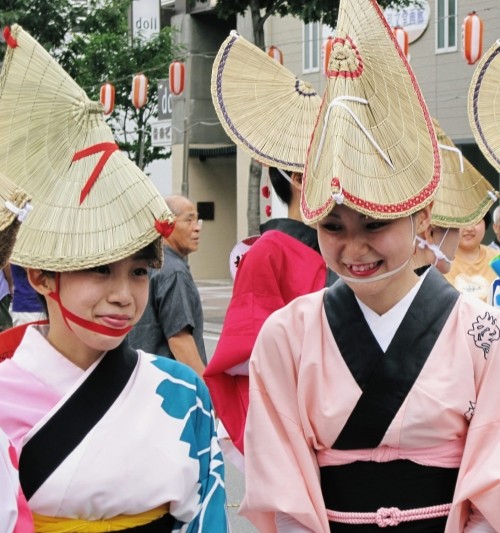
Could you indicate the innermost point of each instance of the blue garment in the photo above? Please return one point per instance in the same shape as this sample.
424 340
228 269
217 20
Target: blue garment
4 286
25 298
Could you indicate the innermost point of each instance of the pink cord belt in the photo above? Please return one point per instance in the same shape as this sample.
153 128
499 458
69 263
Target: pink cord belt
389 516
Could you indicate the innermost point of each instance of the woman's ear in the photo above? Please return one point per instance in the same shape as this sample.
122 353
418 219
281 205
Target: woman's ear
297 180
424 219
42 282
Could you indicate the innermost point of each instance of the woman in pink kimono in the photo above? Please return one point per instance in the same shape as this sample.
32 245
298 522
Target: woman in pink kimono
375 402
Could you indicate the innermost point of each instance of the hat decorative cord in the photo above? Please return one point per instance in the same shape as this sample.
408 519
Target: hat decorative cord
107 149
338 102
82 322
454 149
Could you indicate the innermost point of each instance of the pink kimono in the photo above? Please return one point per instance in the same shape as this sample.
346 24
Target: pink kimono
282 264
303 390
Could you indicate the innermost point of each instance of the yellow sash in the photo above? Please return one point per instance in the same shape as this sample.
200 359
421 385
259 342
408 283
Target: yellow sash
48 524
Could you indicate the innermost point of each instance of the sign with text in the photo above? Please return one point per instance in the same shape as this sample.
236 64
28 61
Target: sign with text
164 100
414 18
145 18
161 133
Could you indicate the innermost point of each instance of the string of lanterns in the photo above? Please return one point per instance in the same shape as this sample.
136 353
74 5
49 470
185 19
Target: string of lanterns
140 85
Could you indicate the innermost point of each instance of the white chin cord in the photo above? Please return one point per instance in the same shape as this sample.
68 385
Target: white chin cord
435 249
376 278
372 279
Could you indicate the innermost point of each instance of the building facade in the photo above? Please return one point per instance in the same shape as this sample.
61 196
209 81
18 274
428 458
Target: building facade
218 173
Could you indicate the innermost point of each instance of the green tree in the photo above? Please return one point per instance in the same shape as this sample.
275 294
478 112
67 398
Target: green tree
325 11
48 21
97 47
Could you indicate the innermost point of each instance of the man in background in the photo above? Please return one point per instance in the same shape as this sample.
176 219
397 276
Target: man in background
495 243
172 324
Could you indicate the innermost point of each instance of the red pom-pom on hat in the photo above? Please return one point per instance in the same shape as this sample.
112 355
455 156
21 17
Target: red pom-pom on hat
8 37
164 228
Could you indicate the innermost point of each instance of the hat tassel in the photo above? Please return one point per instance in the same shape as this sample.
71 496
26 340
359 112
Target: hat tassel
9 39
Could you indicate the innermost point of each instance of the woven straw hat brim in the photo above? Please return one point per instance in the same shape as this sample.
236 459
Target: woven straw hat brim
391 168
45 119
9 221
463 197
264 108
484 105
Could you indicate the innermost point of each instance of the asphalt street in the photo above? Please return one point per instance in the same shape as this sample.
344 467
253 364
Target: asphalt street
215 296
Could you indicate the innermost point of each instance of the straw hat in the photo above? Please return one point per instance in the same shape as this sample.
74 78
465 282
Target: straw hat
484 105
464 195
14 208
92 205
263 107
374 147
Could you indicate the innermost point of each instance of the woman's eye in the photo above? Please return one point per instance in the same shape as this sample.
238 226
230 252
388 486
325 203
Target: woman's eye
102 269
141 272
372 226
331 226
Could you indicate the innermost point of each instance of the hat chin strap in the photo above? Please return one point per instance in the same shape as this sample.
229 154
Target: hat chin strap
82 322
435 249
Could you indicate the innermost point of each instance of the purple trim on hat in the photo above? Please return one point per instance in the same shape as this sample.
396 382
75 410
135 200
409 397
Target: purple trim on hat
474 104
279 162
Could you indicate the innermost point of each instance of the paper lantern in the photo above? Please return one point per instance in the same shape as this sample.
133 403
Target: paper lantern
401 36
139 90
176 77
107 97
472 38
276 54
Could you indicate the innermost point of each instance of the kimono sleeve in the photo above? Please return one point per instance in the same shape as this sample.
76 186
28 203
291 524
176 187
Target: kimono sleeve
281 471
479 476
211 515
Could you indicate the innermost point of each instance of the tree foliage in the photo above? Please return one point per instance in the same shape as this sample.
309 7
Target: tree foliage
97 47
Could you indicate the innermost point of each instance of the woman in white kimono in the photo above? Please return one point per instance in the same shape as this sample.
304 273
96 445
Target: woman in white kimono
367 398
110 439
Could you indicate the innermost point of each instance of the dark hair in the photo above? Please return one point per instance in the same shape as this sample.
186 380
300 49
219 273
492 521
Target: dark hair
487 220
280 185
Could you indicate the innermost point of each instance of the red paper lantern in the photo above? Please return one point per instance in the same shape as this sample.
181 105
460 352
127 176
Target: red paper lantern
139 90
268 210
107 97
401 36
266 193
472 38
176 77
276 54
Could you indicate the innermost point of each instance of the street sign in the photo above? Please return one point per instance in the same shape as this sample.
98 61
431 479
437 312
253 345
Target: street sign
164 100
161 133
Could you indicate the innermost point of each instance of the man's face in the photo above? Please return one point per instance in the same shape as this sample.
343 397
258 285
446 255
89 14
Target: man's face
186 235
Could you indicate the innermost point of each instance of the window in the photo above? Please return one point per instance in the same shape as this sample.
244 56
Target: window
311 50
446 26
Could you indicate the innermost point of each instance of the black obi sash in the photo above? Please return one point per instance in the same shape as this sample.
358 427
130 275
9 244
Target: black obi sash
48 448
385 378
366 486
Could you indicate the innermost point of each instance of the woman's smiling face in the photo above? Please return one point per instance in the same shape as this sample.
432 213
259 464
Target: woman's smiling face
359 248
